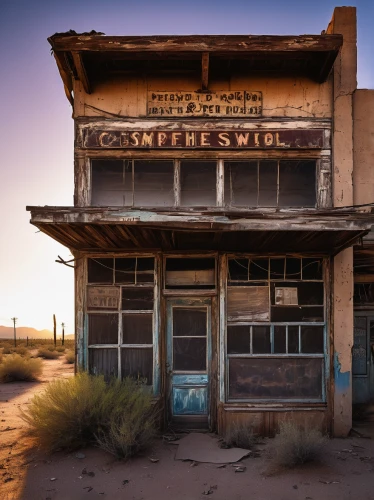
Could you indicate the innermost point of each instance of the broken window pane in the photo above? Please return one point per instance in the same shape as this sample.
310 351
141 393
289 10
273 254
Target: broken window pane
241 184
137 328
134 270
108 183
238 339
190 322
137 363
312 339
102 328
189 354
153 183
261 340
280 339
198 183
293 339
137 299
277 269
312 269
103 362
100 270
238 270
297 183
125 270
268 180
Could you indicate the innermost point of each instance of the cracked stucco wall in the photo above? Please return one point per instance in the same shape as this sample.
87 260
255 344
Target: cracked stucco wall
344 75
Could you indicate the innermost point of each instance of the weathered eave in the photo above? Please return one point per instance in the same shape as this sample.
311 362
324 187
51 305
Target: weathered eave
265 230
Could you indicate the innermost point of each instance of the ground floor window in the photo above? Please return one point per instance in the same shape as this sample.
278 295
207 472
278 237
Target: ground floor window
121 317
276 329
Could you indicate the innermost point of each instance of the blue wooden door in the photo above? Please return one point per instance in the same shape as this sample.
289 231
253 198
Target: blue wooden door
188 358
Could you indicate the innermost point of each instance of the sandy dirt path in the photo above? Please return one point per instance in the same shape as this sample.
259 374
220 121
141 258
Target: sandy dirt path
346 473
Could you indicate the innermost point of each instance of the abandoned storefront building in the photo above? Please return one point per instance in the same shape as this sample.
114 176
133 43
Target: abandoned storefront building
222 184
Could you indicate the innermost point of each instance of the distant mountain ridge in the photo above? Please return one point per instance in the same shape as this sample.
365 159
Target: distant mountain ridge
7 332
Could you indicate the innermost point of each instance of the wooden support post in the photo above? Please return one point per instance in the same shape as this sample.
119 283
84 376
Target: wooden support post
54 329
204 70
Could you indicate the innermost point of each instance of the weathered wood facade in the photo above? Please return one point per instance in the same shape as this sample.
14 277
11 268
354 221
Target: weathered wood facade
210 245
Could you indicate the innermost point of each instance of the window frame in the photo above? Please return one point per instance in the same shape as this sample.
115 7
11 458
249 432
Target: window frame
225 356
119 311
220 177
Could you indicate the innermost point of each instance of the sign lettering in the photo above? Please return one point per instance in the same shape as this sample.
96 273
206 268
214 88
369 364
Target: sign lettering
202 139
220 103
99 297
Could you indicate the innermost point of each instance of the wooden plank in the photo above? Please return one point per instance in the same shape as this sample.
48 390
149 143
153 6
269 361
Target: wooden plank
81 71
198 277
198 43
250 303
204 70
66 75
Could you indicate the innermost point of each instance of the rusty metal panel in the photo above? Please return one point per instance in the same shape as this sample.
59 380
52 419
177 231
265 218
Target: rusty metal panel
236 103
203 139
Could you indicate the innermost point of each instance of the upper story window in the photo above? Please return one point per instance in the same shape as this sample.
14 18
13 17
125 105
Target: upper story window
199 183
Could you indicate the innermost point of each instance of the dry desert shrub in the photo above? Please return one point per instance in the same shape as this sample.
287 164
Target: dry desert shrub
70 357
48 354
17 368
60 348
1 355
241 436
84 409
295 445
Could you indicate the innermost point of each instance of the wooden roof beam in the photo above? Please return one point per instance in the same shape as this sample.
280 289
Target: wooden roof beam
198 43
81 71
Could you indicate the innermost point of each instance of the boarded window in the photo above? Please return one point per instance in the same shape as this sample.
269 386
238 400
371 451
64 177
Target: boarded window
248 303
296 378
190 273
103 362
100 270
102 329
137 299
137 329
138 364
198 183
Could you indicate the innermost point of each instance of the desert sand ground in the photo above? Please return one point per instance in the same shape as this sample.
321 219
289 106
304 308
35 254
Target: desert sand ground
346 472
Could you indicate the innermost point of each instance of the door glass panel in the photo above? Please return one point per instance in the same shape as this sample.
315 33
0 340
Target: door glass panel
189 354
189 322
189 339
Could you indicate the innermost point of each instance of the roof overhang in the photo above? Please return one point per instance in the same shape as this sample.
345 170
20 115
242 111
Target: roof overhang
90 57
119 229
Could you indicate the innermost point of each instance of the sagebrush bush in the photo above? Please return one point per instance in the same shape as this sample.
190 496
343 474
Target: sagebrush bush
17 368
60 348
295 445
21 350
47 353
70 357
84 410
241 436
1 355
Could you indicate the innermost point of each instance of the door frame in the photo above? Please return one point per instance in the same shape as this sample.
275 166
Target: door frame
185 301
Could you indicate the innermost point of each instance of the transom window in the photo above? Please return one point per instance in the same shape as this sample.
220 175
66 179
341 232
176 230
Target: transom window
195 183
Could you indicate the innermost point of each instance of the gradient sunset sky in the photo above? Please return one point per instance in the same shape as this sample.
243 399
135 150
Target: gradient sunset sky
36 166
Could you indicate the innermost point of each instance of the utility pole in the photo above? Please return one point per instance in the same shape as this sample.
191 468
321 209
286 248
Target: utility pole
14 326
54 329
63 333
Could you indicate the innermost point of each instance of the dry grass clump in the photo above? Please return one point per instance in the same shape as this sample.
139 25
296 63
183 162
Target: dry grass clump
70 357
60 348
83 410
17 368
1 355
240 436
294 445
21 350
48 354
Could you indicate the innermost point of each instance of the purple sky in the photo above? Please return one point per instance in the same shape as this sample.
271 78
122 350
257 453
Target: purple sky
37 129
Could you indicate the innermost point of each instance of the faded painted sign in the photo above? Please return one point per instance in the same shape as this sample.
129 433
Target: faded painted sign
220 103
100 297
203 139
